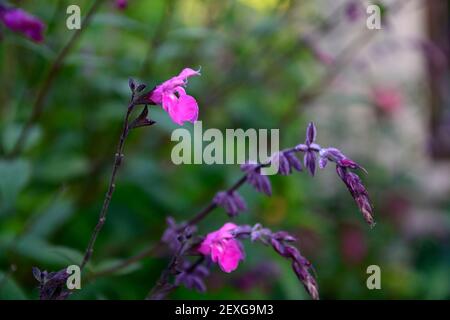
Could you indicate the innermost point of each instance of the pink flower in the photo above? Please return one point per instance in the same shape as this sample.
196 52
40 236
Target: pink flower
121 4
388 100
174 100
21 21
223 248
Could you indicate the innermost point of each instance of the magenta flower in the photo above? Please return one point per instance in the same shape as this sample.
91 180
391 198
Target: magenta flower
21 21
121 4
387 100
180 106
223 248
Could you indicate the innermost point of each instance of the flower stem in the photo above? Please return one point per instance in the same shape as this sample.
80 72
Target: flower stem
118 159
162 286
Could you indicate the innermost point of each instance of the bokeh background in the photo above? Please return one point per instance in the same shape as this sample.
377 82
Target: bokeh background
381 96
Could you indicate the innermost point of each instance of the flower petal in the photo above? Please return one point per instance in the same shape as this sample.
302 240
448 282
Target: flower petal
186 109
230 257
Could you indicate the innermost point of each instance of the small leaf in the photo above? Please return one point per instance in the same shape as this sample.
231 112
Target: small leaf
141 120
131 84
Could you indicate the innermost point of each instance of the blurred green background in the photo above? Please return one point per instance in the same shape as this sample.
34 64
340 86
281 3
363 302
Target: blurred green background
265 64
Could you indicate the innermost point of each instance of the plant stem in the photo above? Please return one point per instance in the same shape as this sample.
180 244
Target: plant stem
162 286
112 185
38 105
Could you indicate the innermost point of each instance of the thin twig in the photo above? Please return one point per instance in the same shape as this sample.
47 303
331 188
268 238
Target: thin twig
162 284
112 185
38 105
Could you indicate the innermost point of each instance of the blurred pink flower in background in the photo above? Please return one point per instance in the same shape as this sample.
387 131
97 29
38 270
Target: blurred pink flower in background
121 4
354 10
353 244
260 276
174 99
223 248
21 21
324 57
388 100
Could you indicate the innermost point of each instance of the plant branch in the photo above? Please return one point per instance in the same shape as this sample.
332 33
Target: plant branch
112 185
162 286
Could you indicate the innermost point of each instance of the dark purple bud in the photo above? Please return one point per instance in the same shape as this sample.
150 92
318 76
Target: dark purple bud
263 184
342 172
283 236
293 161
53 285
310 161
21 21
307 279
171 236
284 168
239 201
232 202
310 133
254 177
279 247
348 163
192 277
131 84
358 192
300 264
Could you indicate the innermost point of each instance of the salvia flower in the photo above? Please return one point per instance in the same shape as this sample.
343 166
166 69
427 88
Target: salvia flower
173 98
22 22
52 285
358 192
232 202
309 148
223 248
192 276
254 177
